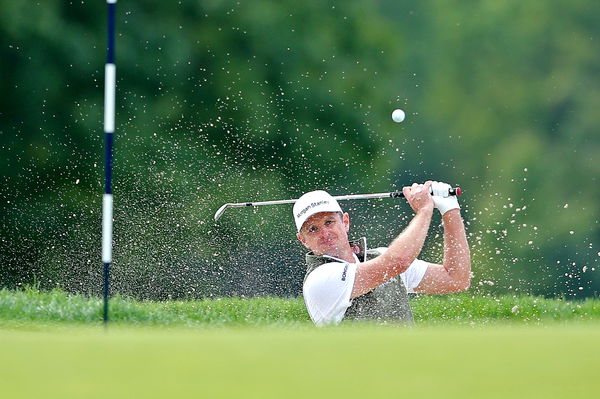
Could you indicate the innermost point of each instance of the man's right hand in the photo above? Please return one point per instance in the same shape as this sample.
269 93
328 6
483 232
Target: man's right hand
419 197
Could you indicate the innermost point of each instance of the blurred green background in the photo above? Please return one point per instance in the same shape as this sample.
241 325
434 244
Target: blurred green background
233 101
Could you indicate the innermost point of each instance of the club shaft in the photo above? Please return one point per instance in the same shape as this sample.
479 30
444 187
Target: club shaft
393 194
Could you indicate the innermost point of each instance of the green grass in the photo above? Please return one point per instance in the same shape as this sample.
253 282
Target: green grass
477 310
30 305
281 362
53 346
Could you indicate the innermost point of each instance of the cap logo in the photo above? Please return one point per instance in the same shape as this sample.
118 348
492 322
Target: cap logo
309 207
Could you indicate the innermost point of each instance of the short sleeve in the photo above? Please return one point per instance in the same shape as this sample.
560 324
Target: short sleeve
327 292
414 274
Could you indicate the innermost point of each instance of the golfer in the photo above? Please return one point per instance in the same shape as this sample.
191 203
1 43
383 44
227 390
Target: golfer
345 280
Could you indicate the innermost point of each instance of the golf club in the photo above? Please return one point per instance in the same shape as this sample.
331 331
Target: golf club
393 194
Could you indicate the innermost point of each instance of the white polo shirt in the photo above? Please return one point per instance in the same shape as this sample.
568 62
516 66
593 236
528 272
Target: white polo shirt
327 289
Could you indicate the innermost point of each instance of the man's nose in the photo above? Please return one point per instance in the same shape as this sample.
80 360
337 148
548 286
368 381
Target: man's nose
325 231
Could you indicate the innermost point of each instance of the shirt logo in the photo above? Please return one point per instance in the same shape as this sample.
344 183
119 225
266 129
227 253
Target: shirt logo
344 272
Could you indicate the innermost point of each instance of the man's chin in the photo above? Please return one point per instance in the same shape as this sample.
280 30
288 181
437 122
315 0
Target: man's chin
330 251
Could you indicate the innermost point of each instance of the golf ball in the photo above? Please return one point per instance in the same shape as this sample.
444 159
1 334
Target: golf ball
398 115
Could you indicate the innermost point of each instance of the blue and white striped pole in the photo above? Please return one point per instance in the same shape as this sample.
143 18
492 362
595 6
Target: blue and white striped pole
109 129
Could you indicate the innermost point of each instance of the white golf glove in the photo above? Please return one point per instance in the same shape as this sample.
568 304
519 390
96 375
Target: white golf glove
442 200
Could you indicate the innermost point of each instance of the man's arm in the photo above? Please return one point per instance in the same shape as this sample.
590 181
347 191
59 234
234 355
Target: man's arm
454 274
403 250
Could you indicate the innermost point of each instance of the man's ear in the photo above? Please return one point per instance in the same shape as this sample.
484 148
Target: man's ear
346 220
301 239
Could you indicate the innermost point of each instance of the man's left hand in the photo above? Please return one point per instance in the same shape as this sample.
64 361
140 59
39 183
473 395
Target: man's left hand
442 199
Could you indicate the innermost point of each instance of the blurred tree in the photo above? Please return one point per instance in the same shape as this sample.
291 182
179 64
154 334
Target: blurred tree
227 101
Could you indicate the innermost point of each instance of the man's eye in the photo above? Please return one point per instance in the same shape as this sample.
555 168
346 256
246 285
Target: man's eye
329 222
312 229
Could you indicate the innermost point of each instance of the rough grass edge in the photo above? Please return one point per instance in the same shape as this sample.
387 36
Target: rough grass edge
29 305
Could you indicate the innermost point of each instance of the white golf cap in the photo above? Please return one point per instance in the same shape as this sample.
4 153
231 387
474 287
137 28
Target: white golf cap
311 203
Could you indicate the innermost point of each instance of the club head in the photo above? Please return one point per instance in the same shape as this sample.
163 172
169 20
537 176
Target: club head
220 211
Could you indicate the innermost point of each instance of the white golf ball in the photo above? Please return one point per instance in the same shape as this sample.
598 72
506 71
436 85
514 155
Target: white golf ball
398 115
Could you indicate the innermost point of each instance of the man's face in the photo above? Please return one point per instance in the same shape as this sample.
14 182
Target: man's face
326 233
